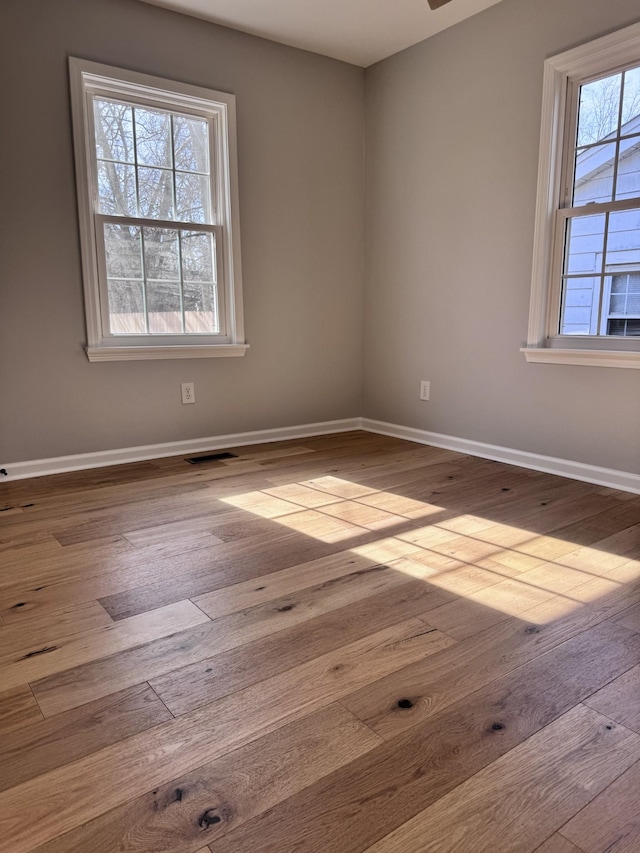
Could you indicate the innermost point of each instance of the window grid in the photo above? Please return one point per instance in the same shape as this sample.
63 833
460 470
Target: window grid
594 321
164 162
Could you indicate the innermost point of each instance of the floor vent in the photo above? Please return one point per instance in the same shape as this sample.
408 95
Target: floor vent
210 457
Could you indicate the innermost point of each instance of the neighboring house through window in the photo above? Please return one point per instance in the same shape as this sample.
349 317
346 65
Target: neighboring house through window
585 306
157 193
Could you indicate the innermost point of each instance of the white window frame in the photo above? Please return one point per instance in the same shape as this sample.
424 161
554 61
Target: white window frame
89 79
544 345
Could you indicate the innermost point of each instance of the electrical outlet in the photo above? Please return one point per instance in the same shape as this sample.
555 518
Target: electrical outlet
188 392
425 389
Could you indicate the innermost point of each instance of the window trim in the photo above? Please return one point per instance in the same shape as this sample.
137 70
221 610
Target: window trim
592 59
87 78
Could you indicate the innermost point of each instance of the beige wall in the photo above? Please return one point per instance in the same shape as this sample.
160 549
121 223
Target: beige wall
452 148
300 128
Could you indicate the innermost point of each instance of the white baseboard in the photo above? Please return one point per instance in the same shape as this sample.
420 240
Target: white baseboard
103 458
549 464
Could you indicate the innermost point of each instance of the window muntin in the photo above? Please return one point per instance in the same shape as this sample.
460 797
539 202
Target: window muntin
623 300
600 212
159 280
157 192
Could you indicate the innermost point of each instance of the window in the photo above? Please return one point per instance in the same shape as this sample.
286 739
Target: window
157 195
585 304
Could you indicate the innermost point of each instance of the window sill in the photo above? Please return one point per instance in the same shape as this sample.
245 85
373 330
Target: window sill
589 358
144 353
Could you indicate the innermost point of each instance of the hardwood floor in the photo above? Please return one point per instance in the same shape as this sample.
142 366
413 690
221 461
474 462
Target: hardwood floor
344 644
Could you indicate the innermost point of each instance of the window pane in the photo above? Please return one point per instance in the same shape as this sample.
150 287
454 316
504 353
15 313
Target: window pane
624 328
123 251
625 294
200 293
200 308
153 138
161 254
126 307
191 144
164 307
114 131
599 109
623 242
197 256
116 189
584 244
628 180
155 187
192 197
580 306
631 98
593 180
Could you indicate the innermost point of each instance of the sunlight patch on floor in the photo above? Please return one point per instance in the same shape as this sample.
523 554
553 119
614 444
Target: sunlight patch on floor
499 566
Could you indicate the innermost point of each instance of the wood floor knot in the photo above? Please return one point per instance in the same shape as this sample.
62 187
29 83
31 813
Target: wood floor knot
497 727
405 703
208 818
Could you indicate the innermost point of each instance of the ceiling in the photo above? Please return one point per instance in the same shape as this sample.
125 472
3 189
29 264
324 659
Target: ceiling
358 31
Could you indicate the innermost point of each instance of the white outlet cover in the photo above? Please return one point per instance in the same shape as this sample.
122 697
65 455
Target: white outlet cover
188 393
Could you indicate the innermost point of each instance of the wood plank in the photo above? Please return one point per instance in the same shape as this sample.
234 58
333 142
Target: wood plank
298 606
194 685
226 564
363 515
456 672
558 844
209 641
43 629
31 547
318 525
567 764
78 520
209 679
589 529
631 617
31 567
514 596
205 568
98 643
200 526
302 496
294 579
352 809
18 708
96 559
41 809
398 505
611 822
463 618
47 744
169 818
502 494
447 573
619 699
